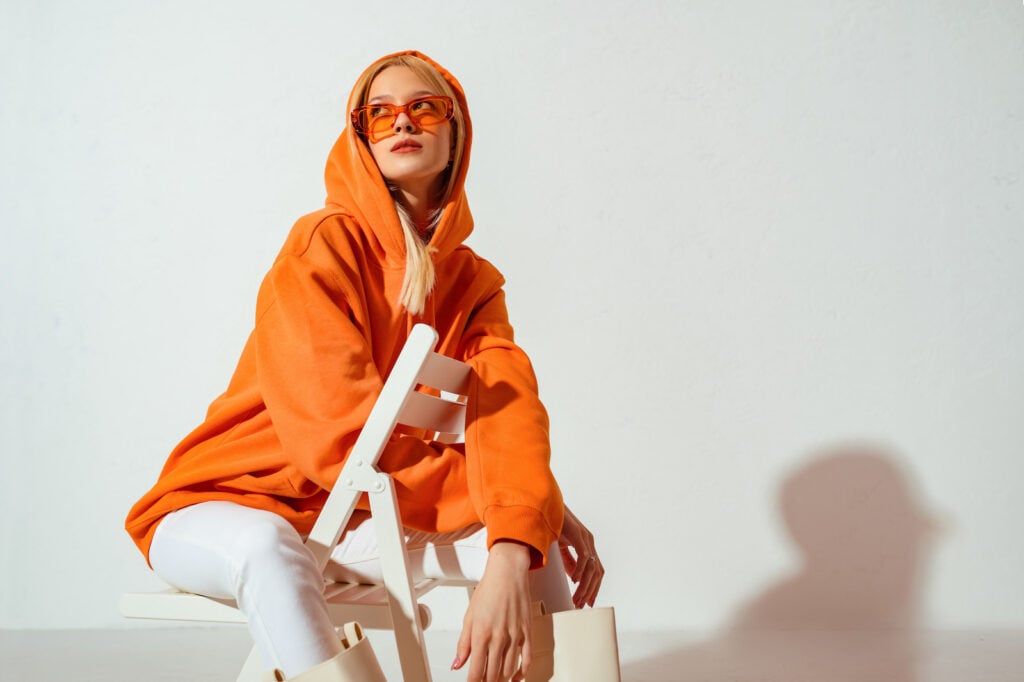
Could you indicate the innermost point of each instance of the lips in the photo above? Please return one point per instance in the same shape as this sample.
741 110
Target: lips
406 145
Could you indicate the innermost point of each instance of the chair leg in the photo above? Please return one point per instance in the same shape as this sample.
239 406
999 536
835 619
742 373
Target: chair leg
412 650
252 671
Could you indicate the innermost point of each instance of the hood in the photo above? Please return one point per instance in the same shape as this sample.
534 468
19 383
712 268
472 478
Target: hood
355 186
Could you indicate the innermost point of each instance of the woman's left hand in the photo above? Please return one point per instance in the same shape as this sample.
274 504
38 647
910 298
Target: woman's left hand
584 567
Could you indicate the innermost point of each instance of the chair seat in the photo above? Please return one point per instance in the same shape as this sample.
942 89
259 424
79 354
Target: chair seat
345 601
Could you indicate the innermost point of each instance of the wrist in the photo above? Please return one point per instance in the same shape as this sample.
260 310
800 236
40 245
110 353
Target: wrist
511 553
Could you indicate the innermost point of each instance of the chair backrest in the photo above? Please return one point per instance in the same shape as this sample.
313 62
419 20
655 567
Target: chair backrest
399 402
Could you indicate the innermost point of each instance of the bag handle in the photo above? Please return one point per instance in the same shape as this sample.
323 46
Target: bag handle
353 634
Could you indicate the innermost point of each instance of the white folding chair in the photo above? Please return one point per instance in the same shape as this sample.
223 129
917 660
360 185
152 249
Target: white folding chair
395 604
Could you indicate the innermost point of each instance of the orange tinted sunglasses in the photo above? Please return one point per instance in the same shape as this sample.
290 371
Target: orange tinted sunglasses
377 121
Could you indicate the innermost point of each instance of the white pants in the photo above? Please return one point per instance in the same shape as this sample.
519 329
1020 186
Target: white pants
227 551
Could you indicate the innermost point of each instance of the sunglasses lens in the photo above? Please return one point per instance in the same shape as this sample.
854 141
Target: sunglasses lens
429 111
375 121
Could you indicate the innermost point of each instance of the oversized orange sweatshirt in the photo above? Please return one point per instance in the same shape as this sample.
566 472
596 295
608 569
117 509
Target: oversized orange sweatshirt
328 329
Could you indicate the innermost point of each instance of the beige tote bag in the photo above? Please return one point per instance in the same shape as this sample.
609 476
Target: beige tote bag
574 646
357 663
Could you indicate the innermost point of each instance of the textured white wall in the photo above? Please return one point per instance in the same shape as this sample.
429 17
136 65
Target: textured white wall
742 239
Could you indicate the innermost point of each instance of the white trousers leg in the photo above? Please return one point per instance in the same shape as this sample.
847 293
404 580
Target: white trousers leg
227 551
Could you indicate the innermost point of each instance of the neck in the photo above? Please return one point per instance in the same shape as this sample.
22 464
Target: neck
417 201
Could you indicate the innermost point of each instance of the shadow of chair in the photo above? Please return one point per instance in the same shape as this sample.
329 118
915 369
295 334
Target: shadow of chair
850 610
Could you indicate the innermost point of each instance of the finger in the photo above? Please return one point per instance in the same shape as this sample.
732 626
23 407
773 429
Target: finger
596 588
496 660
578 597
587 591
527 657
594 583
477 667
463 649
477 653
508 668
582 565
583 591
568 560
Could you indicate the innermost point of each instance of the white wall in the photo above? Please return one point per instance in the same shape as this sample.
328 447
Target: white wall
741 238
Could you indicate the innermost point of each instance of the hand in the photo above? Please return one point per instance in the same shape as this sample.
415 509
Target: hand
584 568
497 624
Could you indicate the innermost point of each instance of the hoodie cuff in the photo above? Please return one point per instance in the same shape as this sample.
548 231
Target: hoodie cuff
520 524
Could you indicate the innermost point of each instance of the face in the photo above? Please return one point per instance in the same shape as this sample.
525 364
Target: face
414 157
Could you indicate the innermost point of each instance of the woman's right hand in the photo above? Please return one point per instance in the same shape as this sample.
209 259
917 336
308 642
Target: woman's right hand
496 628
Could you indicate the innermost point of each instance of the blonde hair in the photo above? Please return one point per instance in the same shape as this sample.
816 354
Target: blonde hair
419 277
419 264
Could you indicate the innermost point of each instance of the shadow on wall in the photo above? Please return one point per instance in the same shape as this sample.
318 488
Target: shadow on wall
850 610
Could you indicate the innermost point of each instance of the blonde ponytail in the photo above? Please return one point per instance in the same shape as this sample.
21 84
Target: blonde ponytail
419 264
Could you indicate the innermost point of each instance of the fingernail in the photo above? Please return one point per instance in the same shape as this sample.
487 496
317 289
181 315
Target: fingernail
456 663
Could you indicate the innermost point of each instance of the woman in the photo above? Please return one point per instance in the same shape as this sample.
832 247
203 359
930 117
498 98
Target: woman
227 515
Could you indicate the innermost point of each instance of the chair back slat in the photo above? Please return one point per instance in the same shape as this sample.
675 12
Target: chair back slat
447 374
434 414
450 438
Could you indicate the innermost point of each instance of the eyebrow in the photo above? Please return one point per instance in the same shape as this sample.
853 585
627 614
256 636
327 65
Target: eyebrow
389 98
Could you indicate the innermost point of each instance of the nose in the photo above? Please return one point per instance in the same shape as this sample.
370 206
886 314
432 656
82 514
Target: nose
404 123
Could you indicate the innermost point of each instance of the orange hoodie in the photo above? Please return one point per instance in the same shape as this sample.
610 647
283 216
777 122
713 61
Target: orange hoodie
328 330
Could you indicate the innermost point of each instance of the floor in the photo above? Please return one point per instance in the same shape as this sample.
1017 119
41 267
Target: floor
215 655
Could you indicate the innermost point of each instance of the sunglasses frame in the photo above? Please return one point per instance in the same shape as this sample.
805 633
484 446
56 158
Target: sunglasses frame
396 111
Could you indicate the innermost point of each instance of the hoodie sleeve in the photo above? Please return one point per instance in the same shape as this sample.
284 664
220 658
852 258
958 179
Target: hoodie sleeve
315 372
507 445
319 381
